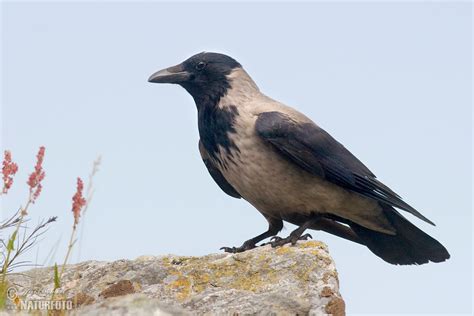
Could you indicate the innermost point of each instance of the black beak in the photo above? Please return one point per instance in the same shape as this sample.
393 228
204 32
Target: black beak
175 74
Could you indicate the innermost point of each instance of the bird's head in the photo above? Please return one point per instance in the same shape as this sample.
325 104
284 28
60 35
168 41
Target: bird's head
206 76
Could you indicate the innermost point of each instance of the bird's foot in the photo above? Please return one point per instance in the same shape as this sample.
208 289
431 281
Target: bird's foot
249 244
277 241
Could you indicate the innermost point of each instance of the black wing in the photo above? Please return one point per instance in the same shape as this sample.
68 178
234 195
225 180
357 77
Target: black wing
216 174
314 150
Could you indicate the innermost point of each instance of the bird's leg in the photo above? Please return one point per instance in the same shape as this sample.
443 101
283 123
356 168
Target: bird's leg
335 228
295 235
274 226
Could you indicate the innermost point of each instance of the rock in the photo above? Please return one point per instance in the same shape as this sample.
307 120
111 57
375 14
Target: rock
290 280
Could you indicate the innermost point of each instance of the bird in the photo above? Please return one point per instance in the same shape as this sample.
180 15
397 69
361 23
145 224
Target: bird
290 169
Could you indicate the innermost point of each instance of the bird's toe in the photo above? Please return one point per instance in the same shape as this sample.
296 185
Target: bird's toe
272 241
278 241
246 246
229 249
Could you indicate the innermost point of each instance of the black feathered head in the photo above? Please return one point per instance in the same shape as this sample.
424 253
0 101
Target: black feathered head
203 75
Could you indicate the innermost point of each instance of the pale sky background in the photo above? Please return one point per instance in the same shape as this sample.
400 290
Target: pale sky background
390 81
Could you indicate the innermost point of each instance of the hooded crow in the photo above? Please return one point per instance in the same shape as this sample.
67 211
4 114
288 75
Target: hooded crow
290 169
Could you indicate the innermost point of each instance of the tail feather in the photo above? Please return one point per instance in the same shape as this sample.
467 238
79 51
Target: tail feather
410 245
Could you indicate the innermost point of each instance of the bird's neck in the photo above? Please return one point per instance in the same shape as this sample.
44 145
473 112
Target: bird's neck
242 89
216 117
235 88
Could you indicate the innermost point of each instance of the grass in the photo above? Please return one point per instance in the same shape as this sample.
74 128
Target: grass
21 237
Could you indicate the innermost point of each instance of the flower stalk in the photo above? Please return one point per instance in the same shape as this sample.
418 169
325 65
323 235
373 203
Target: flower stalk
9 169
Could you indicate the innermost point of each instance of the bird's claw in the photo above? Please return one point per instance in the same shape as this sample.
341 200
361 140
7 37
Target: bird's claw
275 241
304 237
228 249
246 246
278 241
272 240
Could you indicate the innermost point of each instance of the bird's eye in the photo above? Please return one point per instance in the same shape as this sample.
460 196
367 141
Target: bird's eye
201 65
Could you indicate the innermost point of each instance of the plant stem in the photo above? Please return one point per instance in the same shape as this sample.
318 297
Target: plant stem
7 262
69 249
9 250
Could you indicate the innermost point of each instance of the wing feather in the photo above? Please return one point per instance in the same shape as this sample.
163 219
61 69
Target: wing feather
314 150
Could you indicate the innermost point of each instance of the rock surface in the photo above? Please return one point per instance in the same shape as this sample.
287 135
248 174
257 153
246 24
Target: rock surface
290 280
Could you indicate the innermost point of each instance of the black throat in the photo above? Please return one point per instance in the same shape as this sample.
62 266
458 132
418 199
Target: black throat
214 123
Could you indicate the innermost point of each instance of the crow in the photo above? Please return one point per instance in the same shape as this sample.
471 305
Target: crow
290 169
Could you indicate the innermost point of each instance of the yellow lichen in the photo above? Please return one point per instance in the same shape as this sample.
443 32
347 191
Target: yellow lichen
312 244
200 281
262 258
183 286
240 272
303 273
283 250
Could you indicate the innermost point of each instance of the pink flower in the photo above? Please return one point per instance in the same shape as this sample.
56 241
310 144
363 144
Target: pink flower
9 169
78 201
34 181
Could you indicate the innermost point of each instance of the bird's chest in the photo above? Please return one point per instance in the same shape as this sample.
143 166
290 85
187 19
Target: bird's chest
215 128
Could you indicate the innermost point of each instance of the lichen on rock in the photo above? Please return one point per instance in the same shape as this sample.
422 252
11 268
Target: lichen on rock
289 280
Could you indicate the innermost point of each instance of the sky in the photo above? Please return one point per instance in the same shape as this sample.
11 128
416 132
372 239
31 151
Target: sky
391 81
